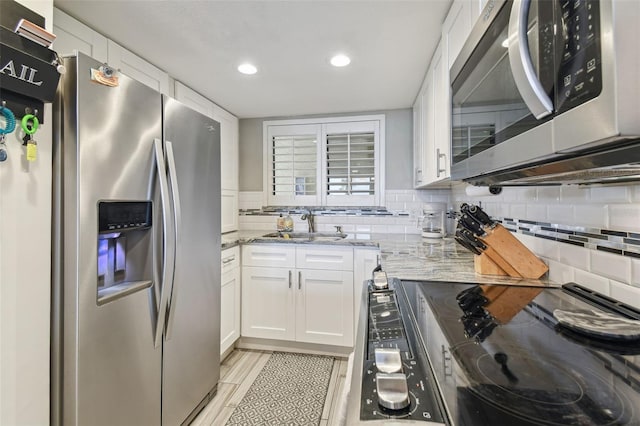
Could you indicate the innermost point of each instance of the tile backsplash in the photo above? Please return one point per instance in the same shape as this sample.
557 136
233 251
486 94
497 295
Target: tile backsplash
586 234
589 235
403 208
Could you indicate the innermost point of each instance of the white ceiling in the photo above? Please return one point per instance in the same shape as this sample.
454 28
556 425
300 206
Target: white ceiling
201 43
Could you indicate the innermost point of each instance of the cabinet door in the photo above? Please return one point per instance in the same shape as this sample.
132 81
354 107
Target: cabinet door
229 308
442 116
267 303
456 28
417 142
229 211
436 118
137 68
228 148
428 130
74 35
324 307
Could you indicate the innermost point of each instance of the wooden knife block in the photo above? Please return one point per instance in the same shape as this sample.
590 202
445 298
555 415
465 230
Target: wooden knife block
506 255
483 265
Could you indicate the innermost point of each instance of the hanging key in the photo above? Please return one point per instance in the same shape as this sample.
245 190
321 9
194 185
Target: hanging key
29 131
32 149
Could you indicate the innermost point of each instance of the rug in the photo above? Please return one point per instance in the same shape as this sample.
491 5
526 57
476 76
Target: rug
289 390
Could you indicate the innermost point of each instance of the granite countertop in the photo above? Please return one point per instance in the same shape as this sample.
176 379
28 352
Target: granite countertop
405 256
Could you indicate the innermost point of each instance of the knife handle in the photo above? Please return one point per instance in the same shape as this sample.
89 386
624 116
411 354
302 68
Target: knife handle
472 225
478 214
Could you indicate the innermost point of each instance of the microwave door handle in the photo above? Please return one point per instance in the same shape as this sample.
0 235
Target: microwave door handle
167 244
524 74
173 288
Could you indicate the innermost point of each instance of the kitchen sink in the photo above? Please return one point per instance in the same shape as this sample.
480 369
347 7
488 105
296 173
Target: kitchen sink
305 236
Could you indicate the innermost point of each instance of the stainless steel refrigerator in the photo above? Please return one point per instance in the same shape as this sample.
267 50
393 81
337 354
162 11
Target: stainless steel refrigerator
136 253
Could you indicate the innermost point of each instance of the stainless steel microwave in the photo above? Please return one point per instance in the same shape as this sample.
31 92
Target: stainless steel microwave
548 92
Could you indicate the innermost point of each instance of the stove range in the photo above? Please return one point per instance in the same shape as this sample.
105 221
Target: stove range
500 357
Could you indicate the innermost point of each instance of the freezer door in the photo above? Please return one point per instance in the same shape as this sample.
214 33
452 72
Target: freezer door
191 350
110 370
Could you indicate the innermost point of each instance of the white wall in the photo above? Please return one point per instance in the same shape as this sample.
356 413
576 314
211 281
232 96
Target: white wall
25 253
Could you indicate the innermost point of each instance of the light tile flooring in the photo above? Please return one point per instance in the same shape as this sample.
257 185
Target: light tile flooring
240 369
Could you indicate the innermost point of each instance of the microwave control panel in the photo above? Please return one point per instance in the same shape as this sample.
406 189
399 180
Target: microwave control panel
579 71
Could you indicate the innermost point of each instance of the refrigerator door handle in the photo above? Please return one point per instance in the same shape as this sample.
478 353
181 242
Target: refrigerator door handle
168 245
177 215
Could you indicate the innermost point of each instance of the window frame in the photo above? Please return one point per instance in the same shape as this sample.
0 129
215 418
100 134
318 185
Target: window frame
324 126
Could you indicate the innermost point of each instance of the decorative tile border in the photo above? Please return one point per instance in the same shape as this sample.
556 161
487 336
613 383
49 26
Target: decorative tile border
323 211
617 242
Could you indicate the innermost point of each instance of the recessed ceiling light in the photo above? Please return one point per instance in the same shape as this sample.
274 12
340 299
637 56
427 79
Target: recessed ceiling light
340 61
247 69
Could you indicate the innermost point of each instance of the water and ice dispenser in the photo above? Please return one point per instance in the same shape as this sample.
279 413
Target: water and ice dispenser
124 248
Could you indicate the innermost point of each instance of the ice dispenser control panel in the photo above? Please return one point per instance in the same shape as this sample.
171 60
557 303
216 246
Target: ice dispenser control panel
119 216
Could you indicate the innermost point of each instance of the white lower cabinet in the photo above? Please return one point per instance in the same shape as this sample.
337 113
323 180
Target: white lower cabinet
267 303
283 301
324 307
230 298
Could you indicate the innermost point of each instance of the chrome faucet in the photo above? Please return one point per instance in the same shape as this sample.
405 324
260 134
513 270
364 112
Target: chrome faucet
308 216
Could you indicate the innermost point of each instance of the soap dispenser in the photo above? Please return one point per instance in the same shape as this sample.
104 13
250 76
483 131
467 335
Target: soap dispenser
288 223
280 223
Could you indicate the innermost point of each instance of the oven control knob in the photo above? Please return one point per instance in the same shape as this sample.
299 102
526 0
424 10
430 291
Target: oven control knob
393 392
388 360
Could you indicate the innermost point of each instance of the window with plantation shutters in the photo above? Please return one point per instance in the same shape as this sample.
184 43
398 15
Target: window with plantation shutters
334 162
294 164
292 170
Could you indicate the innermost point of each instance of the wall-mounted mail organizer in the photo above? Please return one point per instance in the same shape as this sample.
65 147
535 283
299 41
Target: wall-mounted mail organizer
28 70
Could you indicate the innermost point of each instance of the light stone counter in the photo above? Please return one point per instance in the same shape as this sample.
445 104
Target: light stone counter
408 257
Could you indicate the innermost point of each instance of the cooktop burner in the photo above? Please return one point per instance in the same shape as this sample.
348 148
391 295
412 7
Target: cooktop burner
552 393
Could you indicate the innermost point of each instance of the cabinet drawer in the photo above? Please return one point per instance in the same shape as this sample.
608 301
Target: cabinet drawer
230 259
275 256
325 257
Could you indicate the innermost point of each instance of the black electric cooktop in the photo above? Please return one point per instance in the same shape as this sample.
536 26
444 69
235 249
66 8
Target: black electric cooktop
501 358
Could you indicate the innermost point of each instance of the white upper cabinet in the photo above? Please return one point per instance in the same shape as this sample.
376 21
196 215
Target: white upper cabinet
432 109
441 116
228 147
458 25
433 143
74 35
137 68
417 137
194 100
456 28
228 151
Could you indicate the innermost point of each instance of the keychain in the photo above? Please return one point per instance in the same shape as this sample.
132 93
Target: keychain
9 127
32 145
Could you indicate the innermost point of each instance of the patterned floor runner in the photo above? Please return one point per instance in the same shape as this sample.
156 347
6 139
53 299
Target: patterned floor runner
290 390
